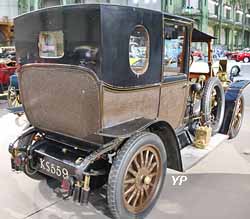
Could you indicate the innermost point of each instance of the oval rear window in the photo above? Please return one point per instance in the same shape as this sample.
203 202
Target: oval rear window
139 50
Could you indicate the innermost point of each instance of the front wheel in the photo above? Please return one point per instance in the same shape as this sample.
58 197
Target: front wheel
137 176
237 118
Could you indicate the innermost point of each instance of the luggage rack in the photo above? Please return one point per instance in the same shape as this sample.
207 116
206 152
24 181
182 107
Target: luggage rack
88 144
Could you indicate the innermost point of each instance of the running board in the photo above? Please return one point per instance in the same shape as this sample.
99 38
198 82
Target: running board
191 155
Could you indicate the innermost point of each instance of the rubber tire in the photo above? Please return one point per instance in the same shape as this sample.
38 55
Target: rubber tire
237 73
24 142
234 132
116 175
246 60
205 102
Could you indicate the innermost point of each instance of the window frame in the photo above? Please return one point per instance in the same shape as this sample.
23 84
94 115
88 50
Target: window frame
147 57
182 74
39 45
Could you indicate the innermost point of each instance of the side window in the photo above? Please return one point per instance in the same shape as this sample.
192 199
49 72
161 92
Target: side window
174 39
139 50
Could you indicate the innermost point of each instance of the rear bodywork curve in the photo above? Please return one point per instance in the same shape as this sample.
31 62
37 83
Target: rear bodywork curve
161 128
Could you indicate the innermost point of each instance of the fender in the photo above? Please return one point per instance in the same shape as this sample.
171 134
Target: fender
162 128
232 94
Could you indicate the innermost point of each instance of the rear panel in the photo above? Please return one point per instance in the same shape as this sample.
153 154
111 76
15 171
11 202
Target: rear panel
61 98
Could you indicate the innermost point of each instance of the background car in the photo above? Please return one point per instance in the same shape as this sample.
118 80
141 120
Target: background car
244 55
7 68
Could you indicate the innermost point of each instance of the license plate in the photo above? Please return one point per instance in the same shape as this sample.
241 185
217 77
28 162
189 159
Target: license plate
54 169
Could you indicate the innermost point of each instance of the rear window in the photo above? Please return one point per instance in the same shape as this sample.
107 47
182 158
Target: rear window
51 44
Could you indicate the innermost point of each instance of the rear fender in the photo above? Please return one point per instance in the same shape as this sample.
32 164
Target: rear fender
169 138
231 97
161 128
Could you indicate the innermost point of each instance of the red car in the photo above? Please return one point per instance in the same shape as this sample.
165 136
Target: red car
244 55
7 68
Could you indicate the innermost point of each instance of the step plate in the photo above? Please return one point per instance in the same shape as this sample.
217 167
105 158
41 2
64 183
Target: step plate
191 155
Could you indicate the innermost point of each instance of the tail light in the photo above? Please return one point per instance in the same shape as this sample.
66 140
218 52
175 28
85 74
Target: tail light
68 185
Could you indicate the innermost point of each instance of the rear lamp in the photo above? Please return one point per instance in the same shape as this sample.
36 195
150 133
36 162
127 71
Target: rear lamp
68 185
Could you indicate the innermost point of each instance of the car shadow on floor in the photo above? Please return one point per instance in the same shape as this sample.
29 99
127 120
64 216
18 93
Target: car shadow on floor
97 199
206 196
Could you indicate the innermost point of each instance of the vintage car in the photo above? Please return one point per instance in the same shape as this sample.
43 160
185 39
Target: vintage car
111 101
7 68
241 56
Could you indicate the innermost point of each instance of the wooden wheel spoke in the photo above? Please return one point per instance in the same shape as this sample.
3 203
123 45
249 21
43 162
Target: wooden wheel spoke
132 196
150 160
136 198
129 181
142 195
142 159
146 159
152 167
133 172
131 189
152 175
151 184
146 191
136 163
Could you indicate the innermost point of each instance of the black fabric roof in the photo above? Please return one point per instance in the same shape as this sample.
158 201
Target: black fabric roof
199 36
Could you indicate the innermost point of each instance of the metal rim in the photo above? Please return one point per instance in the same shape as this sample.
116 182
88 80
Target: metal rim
246 59
238 115
215 106
141 179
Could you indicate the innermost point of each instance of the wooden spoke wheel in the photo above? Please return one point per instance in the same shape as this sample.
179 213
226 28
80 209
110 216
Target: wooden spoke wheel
141 178
237 118
136 176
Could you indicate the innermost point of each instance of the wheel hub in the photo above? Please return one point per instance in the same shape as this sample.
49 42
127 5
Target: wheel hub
143 178
147 180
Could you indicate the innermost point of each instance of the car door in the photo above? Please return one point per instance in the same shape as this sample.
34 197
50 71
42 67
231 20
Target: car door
174 86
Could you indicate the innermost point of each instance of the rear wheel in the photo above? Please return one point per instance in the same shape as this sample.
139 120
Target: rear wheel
136 176
237 118
213 104
28 170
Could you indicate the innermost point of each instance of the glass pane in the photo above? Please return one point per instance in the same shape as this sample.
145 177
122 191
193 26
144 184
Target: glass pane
139 50
173 49
51 44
